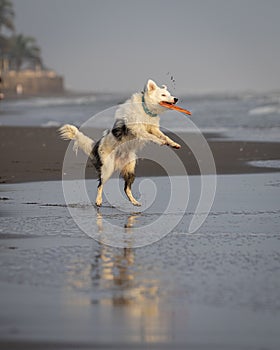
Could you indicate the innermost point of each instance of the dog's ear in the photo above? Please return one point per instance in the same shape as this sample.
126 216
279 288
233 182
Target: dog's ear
151 85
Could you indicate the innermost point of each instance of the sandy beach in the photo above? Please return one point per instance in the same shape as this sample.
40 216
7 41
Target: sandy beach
36 154
215 289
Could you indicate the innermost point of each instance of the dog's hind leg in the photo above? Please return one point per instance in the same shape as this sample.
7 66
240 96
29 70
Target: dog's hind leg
98 200
105 171
129 177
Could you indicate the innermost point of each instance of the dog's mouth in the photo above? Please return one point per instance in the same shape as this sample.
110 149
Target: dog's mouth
164 103
167 103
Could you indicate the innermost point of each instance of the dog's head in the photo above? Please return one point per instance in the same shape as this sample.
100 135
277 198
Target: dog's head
155 94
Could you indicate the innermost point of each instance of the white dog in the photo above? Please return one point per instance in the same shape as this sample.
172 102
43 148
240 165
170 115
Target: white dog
136 122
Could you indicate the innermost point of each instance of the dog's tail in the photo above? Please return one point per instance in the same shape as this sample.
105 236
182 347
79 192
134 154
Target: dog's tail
70 132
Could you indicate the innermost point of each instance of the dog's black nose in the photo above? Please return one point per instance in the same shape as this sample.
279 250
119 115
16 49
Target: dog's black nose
175 99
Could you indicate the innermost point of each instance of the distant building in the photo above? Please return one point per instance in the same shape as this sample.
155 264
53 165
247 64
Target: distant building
29 82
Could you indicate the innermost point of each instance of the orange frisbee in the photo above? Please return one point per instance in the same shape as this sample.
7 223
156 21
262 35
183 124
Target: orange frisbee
175 108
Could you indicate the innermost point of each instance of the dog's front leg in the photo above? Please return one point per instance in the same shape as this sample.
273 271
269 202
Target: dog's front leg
145 135
167 140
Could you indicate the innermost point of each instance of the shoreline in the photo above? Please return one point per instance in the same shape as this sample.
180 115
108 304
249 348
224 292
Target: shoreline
36 154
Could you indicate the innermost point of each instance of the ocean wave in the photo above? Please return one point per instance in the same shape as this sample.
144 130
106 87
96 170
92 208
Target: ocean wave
51 123
53 101
266 163
265 110
206 130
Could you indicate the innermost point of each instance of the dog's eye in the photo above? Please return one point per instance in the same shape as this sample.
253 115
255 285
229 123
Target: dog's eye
163 95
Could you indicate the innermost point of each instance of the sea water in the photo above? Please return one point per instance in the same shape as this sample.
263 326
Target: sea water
243 116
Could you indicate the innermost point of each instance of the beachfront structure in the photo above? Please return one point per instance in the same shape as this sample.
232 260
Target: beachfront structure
29 82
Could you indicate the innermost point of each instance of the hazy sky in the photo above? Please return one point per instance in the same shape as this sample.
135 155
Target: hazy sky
209 45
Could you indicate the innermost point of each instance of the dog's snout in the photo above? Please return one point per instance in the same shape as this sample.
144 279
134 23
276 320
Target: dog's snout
175 99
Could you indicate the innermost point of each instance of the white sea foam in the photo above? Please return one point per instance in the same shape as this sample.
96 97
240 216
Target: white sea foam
203 130
266 163
51 123
265 110
253 134
54 101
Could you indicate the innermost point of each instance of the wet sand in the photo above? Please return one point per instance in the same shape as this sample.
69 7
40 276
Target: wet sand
36 154
215 289
60 289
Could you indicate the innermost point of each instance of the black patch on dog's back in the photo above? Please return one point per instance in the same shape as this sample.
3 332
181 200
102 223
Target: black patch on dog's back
96 158
119 129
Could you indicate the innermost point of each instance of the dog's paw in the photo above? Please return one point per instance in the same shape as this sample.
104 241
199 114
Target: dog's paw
176 146
136 203
98 203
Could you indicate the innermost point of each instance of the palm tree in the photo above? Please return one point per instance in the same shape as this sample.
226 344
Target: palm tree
6 21
24 49
6 15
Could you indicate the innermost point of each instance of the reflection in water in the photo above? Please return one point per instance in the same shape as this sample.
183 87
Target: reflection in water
114 271
128 225
131 220
114 280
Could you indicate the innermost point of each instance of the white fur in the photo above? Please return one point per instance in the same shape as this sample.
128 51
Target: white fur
120 154
70 132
